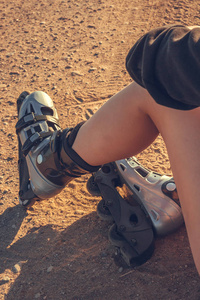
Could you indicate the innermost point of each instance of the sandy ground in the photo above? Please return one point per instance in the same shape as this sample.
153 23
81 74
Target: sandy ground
75 51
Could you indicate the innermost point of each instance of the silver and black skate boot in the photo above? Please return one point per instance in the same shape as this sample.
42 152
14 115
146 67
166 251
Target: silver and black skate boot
47 161
141 204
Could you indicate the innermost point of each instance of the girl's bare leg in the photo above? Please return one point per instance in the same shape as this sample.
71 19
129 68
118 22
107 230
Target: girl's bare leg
181 133
128 123
119 129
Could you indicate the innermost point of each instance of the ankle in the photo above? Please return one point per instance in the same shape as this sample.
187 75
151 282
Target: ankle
68 152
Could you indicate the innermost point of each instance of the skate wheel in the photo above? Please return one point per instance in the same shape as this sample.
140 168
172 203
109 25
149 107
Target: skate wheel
92 187
26 203
103 212
131 256
115 237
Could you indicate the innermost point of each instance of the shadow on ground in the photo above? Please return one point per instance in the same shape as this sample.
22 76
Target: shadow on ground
78 263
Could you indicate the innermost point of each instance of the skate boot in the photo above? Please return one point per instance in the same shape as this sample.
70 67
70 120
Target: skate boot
141 204
156 193
47 161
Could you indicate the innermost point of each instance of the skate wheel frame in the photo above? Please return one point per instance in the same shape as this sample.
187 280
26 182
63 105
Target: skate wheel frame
132 232
103 211
129 251
92 187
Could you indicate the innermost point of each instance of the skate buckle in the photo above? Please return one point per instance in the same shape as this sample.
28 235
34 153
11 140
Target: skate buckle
31 118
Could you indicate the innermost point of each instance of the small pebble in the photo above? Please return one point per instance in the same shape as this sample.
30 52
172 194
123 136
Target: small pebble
14 73
68 67
103 254
92 69
17 268
76 73
91 26
37 295
5 279
120 270
49 269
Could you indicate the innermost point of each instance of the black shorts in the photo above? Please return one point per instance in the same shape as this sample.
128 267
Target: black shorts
166 61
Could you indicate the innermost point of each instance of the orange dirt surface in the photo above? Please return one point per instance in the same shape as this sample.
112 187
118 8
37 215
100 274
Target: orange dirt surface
75 51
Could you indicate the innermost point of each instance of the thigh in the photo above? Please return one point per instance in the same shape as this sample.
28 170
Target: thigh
181 133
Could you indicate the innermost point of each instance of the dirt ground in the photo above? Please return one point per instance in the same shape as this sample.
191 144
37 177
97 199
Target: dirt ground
75 51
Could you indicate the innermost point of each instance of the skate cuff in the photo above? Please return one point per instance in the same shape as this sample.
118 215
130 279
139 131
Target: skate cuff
79 161
68 138
73 133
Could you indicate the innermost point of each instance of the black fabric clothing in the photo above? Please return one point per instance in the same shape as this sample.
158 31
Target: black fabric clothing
166 61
